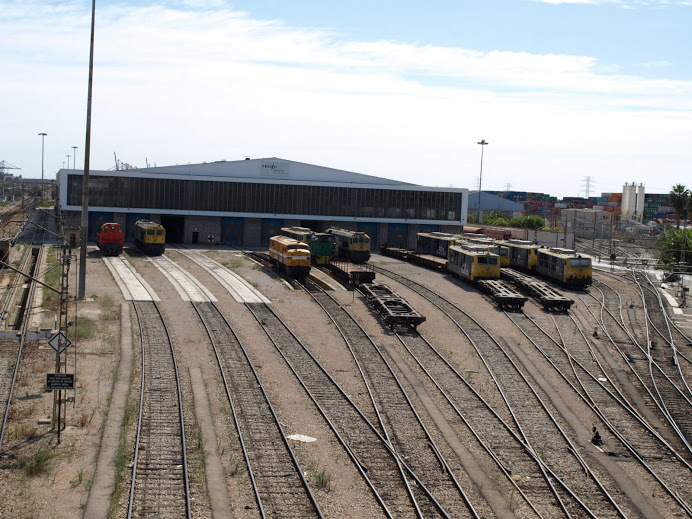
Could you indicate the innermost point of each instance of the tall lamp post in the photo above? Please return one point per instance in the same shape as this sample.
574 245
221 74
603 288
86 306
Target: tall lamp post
43 139
68 161
74 157
483 143
81 288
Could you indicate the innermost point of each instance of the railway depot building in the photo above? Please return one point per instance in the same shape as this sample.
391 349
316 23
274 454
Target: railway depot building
245 202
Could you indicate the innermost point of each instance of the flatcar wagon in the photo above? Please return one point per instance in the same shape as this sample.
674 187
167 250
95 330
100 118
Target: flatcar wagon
523 254
353 245
322 245
150 237
110 238
435 243
290 256
564 266
473 263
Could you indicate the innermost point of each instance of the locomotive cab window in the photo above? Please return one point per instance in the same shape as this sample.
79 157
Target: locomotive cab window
150 232
159 233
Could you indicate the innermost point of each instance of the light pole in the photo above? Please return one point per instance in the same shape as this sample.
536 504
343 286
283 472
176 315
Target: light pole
483 143
81 289
43 139
74 157
68 161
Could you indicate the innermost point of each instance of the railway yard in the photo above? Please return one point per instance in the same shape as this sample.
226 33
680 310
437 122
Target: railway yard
209 385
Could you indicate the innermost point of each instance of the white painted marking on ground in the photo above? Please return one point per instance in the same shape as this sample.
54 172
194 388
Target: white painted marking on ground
240 289
131 284
301 438
189 288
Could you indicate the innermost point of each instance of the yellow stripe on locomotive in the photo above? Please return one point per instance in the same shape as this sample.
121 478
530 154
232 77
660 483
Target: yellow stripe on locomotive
290 256
473 263
150 237
354 245
565 266
435 243
523 254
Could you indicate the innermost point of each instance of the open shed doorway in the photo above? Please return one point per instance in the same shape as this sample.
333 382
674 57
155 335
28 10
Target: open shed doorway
175 228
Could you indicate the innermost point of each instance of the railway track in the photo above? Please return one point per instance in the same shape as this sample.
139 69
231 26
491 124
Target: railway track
11 353
398 419
159 486
394 486
651 362
279 483
535 422
501 440
627 434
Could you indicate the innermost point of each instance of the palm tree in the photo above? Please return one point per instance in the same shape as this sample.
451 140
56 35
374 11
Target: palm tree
679 199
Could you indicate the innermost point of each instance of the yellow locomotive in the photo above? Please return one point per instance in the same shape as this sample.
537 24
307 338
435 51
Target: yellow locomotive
564 266
492 246
353 245
150 237
290 256
435 243
523 254
473 263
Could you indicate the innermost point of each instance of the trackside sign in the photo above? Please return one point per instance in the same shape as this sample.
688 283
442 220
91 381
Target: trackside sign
59 381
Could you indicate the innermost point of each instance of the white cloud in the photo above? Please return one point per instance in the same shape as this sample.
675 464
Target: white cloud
183 85
626 4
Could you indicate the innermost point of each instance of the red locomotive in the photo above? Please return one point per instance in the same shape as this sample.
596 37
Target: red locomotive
110 239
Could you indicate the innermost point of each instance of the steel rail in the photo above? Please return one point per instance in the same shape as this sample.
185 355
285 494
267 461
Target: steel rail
424 291
22 340
261 394
657 398
352 450
438 454
621 324
138 439
669 340
673 493
652 363
548 474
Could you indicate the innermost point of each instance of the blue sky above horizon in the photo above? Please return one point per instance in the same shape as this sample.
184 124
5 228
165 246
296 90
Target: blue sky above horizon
562 90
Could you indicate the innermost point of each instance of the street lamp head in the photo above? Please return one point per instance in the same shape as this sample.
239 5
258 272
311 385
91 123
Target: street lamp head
43 134
483 142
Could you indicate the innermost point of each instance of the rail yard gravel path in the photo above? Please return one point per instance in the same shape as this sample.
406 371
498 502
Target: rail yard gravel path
338 486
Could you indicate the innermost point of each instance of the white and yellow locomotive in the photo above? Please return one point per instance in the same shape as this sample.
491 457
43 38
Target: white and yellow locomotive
290 256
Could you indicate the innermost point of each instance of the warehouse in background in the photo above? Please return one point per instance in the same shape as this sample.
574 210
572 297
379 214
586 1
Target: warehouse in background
246 202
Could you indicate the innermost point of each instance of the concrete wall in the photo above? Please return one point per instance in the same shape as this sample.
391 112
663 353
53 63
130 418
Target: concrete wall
206 226
552 239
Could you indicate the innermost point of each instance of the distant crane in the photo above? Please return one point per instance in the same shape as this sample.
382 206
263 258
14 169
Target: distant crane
120 165
5 166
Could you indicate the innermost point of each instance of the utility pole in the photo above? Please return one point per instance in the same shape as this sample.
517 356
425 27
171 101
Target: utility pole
483 144
587 191
62 342
85 179
43 140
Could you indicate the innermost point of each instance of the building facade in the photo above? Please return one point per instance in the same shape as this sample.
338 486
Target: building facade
246 202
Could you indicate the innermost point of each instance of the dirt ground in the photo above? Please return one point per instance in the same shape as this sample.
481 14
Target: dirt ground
39 478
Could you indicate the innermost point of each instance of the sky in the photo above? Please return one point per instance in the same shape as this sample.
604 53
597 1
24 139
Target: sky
572 96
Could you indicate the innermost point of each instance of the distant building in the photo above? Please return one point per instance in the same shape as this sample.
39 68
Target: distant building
490 203
587 223
633 202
